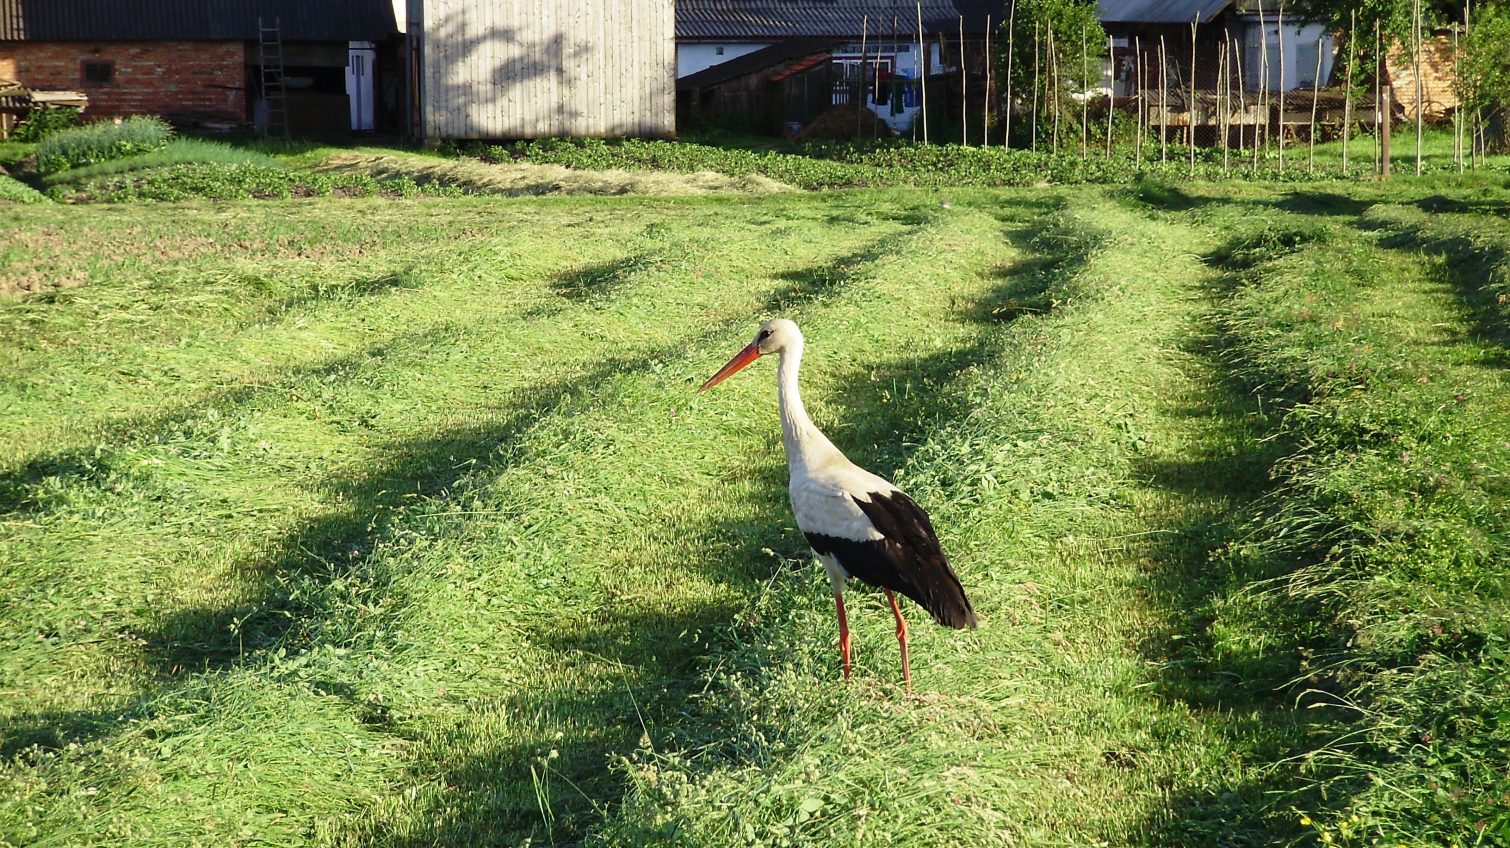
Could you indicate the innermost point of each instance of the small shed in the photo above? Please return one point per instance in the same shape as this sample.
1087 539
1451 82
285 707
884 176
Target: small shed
542 68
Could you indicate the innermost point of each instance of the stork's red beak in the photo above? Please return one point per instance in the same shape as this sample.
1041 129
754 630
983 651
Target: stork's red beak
740 360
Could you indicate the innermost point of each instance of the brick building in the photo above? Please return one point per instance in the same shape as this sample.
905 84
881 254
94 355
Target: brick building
198 60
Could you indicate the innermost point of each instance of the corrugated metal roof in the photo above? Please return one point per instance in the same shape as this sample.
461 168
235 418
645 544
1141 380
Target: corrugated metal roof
763 19
1158 11
194 20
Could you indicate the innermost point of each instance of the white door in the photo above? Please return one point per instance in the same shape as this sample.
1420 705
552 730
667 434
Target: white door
360 59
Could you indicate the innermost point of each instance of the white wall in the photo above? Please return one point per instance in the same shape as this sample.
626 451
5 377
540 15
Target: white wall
699 56
1299 57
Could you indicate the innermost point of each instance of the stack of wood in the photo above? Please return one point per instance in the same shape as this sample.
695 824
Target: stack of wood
17 101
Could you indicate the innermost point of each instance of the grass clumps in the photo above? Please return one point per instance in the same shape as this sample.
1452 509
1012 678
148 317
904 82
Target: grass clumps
101 141
13 190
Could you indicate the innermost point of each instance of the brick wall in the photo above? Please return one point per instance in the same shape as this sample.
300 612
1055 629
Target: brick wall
180 79
1437 78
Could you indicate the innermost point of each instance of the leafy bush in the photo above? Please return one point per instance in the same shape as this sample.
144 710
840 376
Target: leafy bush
237 182
886 163
15 191
179 151
101 142
41 123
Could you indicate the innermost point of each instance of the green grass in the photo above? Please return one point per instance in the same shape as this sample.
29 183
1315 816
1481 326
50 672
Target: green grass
176 152
350 522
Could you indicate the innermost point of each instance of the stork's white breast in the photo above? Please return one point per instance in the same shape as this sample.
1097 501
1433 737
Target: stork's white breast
825 502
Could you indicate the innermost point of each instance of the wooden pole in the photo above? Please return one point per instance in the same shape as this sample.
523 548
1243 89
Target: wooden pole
1163 102
1190 107
1223 101
1033 126
1378 100
1242 97
1111 92
1420 107
1315 98
1085 96
876 68
1457 114
922 71
1263 87
1347 92
1142 86
964 90
1281 86
1054 86
985 121
861 89
1006 140
1389 119
1473 129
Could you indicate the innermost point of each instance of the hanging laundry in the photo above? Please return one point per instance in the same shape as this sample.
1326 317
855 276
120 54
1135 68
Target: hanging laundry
913 96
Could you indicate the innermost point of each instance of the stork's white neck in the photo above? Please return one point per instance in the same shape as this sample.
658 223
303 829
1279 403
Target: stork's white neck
806 447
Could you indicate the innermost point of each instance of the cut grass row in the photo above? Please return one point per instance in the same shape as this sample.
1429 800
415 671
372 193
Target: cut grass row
202 551
461 559
1367 585
1041 728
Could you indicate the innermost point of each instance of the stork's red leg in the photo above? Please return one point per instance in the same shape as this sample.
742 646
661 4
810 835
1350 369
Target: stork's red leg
843 632
901 639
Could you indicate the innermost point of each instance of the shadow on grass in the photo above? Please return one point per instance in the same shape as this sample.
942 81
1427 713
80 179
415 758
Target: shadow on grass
1232 645
513 793
1475 268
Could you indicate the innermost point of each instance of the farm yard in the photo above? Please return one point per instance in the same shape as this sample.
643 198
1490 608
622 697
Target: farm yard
371 521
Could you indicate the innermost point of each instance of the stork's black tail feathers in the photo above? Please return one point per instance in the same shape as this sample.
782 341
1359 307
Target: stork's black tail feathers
907 559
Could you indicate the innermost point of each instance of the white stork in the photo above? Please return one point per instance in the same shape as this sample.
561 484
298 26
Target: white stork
858 524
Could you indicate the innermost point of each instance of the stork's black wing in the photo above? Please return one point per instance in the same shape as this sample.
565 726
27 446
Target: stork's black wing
907 559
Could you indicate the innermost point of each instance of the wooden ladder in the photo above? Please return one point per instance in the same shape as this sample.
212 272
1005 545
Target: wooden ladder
270 51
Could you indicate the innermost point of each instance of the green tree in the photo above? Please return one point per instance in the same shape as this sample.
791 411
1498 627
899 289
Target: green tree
1484 78
1055 32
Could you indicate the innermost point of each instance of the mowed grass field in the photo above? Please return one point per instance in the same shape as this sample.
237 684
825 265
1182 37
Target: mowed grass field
400 523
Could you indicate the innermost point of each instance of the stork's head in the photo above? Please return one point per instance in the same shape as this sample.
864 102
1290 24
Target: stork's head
776 336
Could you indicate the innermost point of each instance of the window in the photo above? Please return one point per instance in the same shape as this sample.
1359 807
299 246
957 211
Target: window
98 73
718 51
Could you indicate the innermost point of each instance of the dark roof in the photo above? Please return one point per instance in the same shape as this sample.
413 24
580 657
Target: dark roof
762 19
194 20
766 57
1158 11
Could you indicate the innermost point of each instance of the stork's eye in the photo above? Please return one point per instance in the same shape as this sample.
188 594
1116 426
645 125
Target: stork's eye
765 334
